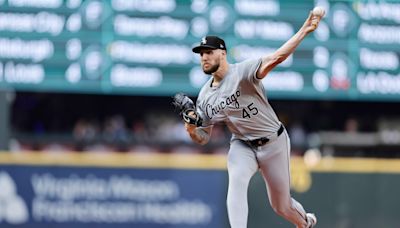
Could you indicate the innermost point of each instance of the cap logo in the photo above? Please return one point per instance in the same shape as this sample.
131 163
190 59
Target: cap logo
203 40
221 46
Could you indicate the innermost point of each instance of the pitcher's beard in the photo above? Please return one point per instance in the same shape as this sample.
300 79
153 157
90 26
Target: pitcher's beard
212 69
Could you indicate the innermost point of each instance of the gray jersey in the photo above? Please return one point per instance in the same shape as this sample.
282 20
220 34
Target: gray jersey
239 101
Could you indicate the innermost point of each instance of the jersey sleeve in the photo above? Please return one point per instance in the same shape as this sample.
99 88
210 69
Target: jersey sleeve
248 69
199 110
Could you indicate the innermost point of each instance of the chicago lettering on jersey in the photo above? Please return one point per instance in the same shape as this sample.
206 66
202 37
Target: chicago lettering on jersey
212 110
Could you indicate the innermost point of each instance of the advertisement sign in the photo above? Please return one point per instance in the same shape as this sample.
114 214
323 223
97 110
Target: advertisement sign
62 196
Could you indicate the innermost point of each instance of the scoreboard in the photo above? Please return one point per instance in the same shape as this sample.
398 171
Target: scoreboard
143 47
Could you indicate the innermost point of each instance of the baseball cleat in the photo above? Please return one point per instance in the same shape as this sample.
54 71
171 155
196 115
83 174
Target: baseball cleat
311 220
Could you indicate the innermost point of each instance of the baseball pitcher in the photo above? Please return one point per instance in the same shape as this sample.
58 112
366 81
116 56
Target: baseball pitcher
235 96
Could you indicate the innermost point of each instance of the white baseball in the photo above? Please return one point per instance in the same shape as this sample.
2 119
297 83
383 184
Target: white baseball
318 11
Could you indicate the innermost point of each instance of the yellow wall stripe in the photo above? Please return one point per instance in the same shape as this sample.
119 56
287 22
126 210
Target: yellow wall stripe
139 160
352 165
189 161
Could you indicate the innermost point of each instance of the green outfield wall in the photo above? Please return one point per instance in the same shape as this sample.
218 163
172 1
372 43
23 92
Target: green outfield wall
343 192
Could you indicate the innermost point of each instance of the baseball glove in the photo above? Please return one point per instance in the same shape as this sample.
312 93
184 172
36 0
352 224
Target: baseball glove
185 106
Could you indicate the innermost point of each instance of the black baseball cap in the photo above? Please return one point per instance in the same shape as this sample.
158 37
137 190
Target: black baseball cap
213 42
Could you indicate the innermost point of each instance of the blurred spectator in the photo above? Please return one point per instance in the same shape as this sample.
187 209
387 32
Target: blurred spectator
115 132
298 138
84 133
179 133
140 134
351 125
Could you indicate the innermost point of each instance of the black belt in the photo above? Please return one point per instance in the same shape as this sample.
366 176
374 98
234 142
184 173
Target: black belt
262 141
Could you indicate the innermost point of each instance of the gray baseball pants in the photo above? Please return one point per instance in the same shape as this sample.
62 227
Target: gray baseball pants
273 161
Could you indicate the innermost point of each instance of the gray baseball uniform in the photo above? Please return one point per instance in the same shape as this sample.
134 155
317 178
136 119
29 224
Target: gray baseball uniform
240 102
